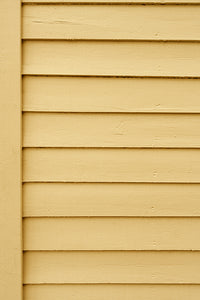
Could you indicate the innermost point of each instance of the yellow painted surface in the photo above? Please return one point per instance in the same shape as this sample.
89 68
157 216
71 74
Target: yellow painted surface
99 94
111 291
130 58
117 1
111 233
111 150
112 267
10 152
111 130
150 22
105 199
111 165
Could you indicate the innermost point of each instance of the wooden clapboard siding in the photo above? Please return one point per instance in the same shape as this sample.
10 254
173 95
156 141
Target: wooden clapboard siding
128 58
111 233
111 130
111 159
149 22
99 94
110 199
112 267
111 291
111 165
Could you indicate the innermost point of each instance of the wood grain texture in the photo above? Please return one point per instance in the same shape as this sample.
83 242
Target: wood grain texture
99 94
111 233
111 130
137 22
111 291
10 151
110 199
113 58
111 165
112 267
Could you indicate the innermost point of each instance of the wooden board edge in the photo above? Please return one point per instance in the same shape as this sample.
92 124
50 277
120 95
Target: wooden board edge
133 2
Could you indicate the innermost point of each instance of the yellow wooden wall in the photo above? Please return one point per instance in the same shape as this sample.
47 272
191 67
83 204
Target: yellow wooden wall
111 158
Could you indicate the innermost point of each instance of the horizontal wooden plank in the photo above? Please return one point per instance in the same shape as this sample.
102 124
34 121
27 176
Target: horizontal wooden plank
94 22
111 165
112 267
110 199
111 233
116 1
99 94
111 291
111 130
115 58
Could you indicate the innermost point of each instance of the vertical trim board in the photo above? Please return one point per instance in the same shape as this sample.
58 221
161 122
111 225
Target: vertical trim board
10 151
